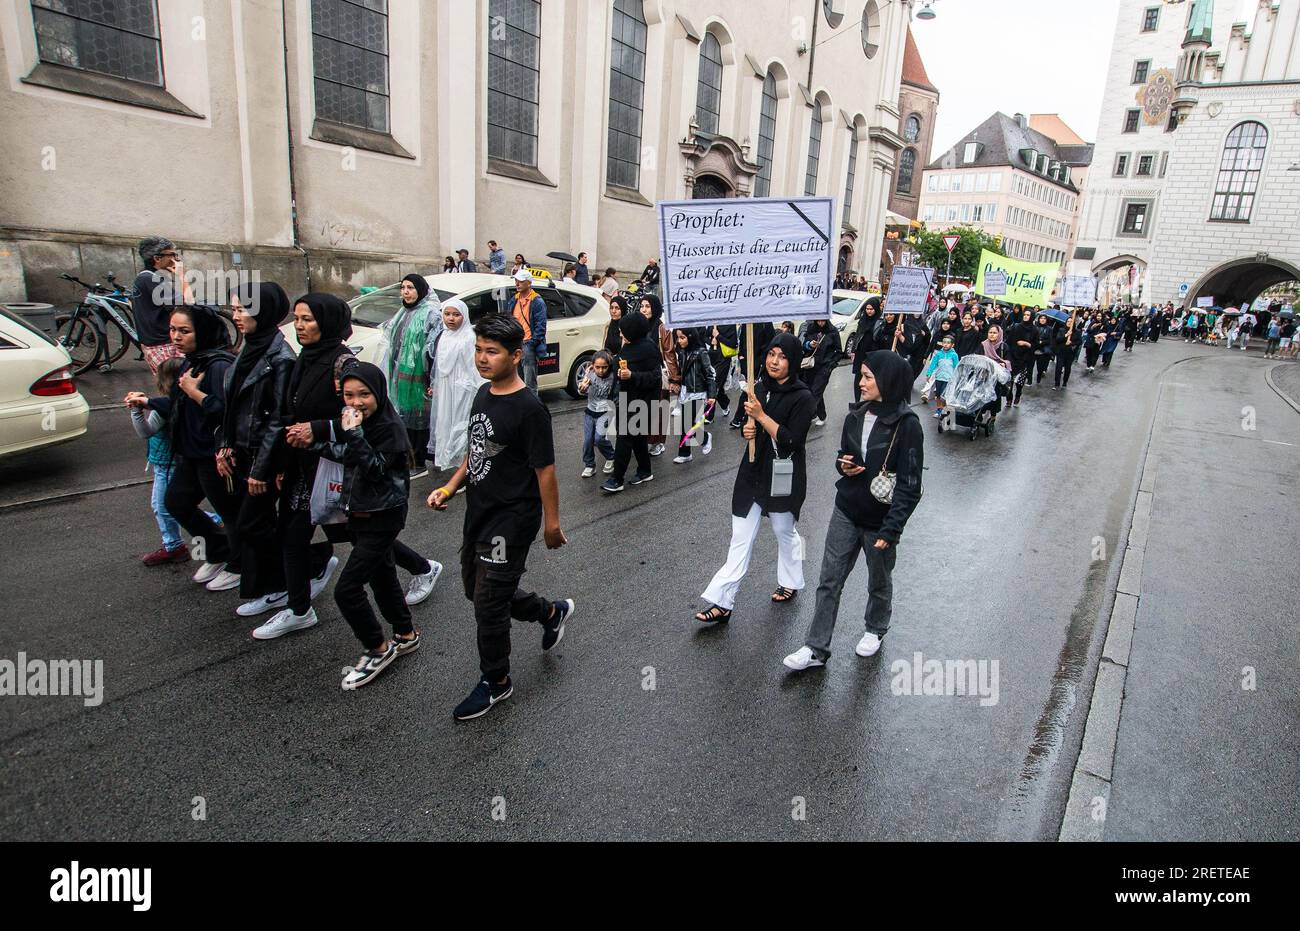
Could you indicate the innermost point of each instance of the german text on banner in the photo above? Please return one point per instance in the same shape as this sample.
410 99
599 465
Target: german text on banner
909 289
746 260
1028 283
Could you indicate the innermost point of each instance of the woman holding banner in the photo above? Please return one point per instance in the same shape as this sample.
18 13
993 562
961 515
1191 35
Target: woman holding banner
773 485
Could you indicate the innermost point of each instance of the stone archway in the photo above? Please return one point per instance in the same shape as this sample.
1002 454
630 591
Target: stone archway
1111 286
1242 280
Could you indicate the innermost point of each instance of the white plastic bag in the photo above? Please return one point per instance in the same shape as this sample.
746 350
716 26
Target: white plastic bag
327 494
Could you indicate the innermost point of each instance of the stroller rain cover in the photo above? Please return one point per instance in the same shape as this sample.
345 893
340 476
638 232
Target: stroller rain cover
974 384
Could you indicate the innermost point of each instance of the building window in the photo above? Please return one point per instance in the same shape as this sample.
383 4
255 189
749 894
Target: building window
932 183
972 149
514 75
1164 163
626 94
870 26
995 182
853 170
708 93
115 38
814 152
991 213
912 128
906 165
1121 165
1151 19
1145 166
766 137
1135 219
1140 69
833 18
1239 168
982 181
1131 120
978 213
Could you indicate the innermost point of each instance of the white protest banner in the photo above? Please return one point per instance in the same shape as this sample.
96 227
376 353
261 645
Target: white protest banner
746 260
1078 291
909 286
995 284
1205 302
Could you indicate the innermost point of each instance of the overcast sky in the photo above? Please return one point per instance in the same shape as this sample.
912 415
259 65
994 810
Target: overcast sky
1017 56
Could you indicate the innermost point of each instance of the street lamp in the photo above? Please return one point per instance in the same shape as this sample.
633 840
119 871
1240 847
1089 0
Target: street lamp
927 11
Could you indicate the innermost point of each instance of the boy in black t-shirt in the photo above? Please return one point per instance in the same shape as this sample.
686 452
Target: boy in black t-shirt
513 491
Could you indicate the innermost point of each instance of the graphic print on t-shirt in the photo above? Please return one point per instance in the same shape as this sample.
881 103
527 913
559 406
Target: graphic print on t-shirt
482 448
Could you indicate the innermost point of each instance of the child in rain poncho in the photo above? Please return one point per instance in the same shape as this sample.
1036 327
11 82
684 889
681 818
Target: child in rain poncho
455 381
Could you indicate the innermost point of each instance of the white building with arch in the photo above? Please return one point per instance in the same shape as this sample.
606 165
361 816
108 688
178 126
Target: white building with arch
1195 188
341 143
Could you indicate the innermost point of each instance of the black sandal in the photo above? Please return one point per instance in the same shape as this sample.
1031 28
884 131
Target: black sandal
714 615
783 594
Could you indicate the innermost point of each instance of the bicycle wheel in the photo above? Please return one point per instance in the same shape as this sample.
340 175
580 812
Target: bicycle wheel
81 338
116 342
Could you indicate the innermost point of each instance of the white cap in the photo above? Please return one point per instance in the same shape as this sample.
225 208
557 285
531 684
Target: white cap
523 275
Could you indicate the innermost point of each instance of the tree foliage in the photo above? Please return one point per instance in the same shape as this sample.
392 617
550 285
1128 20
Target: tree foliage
965 257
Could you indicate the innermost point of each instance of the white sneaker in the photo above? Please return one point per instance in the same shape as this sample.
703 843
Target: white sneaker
208 571
801 659
223 581
708 444
868 645
818 422
609 467
420 474
588 472
262 605
285 622
421 586
680 459
318 584
657 449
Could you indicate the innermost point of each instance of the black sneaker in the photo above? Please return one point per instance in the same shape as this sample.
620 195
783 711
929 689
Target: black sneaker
612 486
371 664
406 646
480 701
639 478
554 626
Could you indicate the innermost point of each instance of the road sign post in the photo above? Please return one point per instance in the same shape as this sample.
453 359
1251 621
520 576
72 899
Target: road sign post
951 243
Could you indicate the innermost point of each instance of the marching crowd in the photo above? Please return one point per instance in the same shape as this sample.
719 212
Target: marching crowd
281 441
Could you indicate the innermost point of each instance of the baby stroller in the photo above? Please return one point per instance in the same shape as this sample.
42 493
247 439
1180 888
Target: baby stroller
971 398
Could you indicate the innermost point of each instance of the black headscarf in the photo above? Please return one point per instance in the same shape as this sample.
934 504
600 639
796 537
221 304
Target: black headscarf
316 361
789 345
421 289
634 327
656 309
894 380
211 338
383 429
269 306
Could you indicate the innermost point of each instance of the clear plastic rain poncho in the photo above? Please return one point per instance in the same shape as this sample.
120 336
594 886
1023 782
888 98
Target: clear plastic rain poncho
974 384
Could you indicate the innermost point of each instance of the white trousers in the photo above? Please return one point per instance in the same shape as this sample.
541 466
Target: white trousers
744 531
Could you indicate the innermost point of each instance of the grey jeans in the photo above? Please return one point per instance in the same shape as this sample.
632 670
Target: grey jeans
528 367
844 539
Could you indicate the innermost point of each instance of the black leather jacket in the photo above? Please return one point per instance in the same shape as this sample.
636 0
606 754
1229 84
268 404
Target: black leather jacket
372 481
256 415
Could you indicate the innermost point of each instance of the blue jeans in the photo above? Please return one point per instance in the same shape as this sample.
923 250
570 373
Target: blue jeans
171 530
594 427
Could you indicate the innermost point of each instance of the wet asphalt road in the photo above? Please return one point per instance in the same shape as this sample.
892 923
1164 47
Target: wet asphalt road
996 565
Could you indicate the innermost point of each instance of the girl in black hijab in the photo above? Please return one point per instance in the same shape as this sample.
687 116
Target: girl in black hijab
618 309
640 385
663 338
1022 340
322 323
376 484
257 388
193 412
781 412
881 435
821 339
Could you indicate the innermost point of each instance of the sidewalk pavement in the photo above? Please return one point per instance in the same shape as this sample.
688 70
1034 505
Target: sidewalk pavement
1193 730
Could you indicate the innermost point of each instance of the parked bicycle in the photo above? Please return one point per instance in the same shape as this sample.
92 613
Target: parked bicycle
101 328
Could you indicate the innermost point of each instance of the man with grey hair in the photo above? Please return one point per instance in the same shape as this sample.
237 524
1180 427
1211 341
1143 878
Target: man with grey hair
153 296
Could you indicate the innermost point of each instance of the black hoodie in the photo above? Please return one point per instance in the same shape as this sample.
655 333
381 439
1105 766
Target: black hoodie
792 406
895 422
193 427
377 462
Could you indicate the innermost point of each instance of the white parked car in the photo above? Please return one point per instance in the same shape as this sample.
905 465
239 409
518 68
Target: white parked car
575 328
39 401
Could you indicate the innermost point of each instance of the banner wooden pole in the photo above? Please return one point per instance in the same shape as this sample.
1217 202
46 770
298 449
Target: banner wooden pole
749 380
898 331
